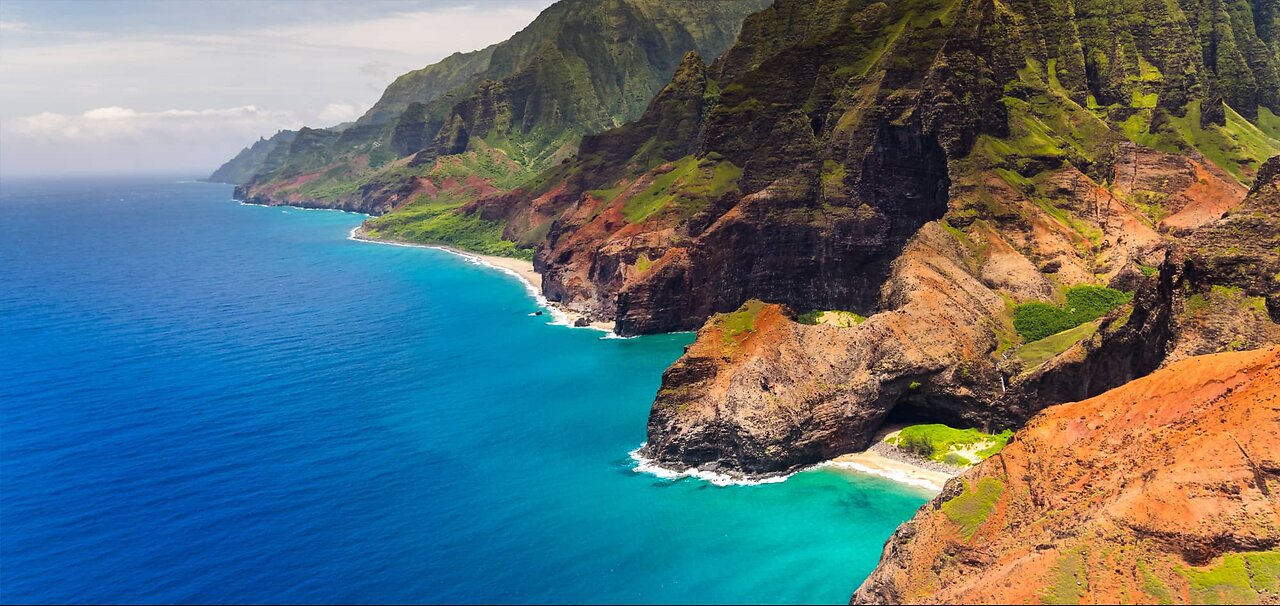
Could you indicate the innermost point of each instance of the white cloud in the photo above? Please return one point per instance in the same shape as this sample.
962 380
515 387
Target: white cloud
440 31
318 70
120 124
337 113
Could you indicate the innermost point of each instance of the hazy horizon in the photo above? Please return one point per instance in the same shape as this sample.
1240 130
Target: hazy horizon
142 87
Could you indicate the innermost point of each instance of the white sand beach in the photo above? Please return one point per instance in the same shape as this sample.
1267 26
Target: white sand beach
874 463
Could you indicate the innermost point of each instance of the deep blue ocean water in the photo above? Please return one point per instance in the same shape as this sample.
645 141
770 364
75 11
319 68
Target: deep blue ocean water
208 402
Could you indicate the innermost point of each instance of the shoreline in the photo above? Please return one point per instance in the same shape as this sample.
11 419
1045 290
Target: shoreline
881 460
874 462
518 268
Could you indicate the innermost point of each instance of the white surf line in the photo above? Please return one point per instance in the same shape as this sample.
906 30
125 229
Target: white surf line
290 206
559 317
888 474
648 466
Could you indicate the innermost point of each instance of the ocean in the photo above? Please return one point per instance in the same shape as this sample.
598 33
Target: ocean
203 401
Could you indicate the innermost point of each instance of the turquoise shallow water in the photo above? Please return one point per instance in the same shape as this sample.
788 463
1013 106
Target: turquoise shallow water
209 402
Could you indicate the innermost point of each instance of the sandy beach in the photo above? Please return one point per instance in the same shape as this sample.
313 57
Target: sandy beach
876 464
888 461
516 267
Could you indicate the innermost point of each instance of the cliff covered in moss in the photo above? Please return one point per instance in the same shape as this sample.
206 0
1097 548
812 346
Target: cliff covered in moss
965 174
509 110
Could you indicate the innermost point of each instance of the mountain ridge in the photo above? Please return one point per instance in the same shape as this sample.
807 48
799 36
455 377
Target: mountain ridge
525 101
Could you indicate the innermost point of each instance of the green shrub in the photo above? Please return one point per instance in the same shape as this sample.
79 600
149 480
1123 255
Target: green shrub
917 443
1035 353
1036 320
810 317
935 441
1087 303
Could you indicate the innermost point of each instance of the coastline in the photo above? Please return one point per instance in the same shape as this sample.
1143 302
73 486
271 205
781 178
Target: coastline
875 461
518 268
880 460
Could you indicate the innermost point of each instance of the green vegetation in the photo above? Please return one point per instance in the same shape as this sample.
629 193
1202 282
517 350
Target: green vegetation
1224 296
1036 320
433 222
973 506
1069 579
1153 586
1038 352
1237 147
1046 125
834 317
1269 123
642 263
1237 580
688 187
949 445
739 323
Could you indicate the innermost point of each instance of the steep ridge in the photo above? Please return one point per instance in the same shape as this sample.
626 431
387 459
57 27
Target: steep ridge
1046 196
260 156
498 115
1004 189
1164 490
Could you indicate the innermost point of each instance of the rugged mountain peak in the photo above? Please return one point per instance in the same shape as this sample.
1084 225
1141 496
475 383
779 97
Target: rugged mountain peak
1163 490
529 100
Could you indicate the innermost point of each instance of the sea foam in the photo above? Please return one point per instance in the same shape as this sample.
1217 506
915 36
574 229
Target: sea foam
644 464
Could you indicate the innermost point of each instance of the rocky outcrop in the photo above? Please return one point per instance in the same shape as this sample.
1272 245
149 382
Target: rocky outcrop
1163 490
1242 249
785 395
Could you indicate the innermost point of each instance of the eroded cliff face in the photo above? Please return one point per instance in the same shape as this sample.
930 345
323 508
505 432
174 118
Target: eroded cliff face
936 166
1041 192
1160 491
942 347
780 395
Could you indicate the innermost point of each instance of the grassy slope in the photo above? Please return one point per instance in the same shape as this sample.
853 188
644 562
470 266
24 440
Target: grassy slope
938 442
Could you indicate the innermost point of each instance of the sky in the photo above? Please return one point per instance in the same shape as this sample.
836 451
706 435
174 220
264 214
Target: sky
180 86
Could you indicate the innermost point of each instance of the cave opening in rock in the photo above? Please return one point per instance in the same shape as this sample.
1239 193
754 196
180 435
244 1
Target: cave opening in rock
914 408
907 412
